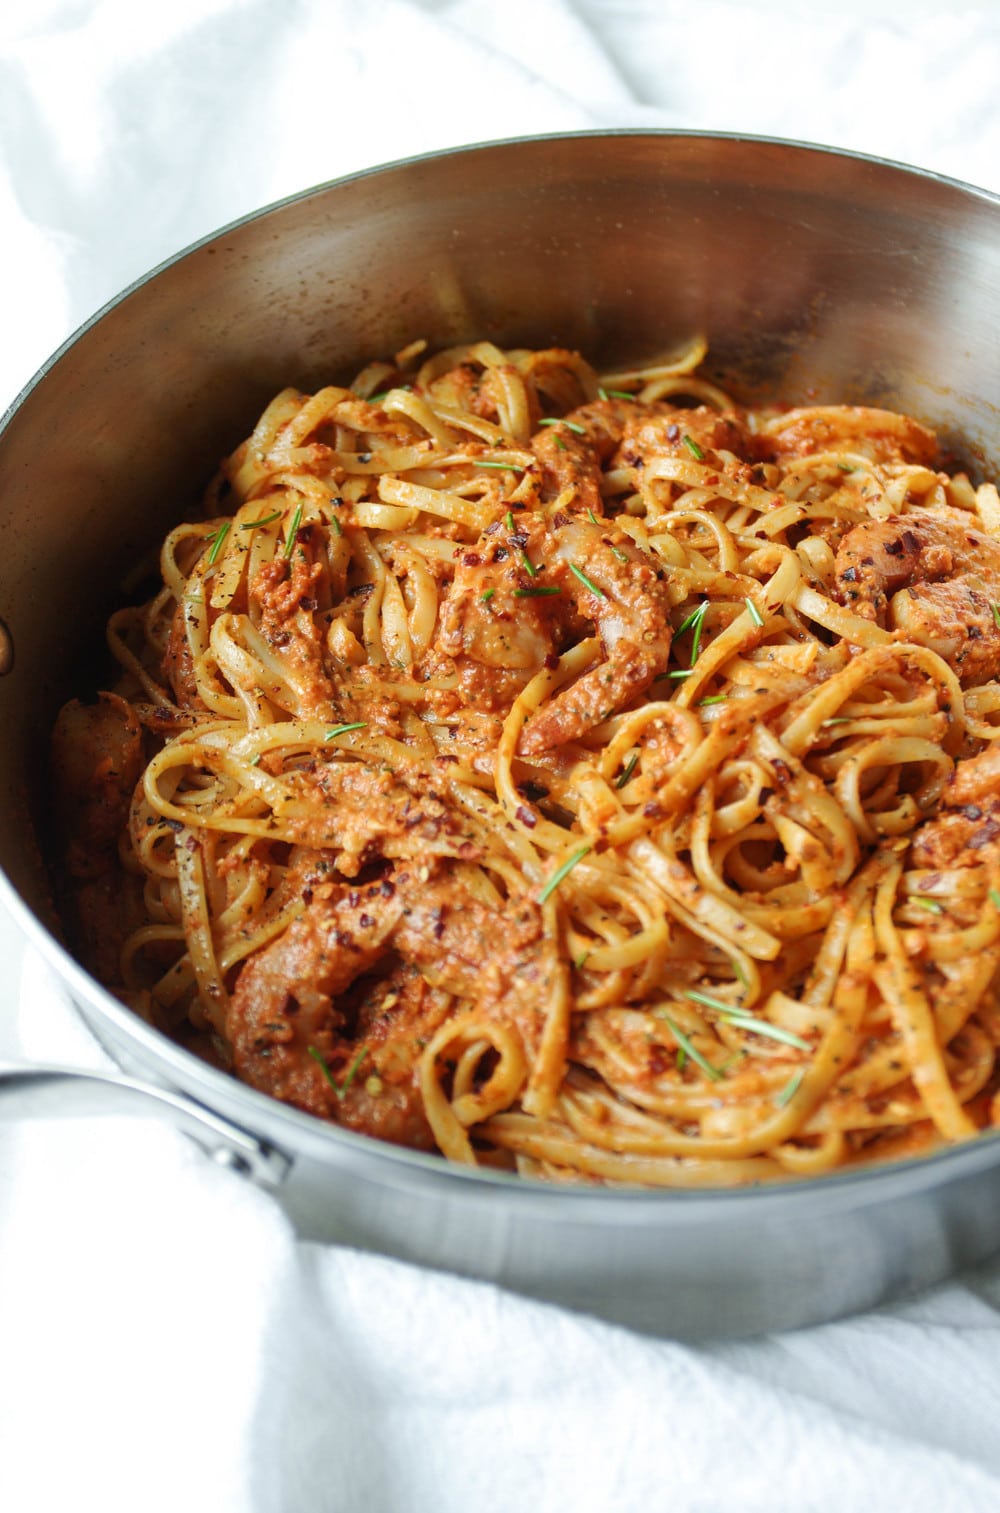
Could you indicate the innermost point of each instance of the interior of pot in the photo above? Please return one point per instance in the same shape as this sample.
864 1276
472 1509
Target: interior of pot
815 275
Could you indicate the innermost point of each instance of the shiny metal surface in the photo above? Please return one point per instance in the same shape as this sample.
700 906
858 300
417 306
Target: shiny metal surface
32 1092
813 273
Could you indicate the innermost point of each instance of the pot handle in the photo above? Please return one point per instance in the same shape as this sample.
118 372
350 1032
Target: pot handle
54 1091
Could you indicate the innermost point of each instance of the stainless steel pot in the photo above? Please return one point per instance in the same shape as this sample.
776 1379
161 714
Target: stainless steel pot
813 273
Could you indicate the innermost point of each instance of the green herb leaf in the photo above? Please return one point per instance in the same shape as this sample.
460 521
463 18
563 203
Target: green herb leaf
558 420
255 759
340 1088
692 618
512 467
680 672
627 770
562 872
754 613
693 447
251 525
587 582
581 960
338 529
994 898
218 540
343 729
509 519
696 996
713 698
536 591
711 1072
838 719
293 531
682 1059
846 467
593 518
996 613
790 1088
529 565
697 620
739 973
615 394
486 595
930 904
741 1020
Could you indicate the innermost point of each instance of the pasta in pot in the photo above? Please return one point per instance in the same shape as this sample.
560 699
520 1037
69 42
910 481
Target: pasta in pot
581 776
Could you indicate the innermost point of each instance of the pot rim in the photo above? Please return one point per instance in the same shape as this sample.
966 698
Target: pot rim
670 133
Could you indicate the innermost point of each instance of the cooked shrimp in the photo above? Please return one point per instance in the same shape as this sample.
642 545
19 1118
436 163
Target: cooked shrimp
310 1007
573 450
573 453
681 432
944 579
966 830
96 762
881 435
489 613
613 583
285 594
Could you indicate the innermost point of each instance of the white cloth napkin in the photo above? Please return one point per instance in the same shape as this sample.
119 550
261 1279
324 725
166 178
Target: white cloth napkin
165 1340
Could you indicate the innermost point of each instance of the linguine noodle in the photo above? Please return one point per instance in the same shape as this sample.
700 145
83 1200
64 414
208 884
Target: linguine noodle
578 775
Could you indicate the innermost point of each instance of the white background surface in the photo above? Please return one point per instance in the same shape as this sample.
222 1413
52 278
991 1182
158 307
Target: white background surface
165 1342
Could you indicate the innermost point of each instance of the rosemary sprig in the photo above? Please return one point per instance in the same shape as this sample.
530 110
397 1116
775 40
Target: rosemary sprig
696 996
742 1020
694 622
251 525
343 729
340 1088
293 531
217 541
587 582
628 770
562 872
536 591
558 420
689 1050
790 1088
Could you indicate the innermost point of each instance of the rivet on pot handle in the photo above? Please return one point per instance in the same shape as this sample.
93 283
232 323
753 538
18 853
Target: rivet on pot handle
58 1091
